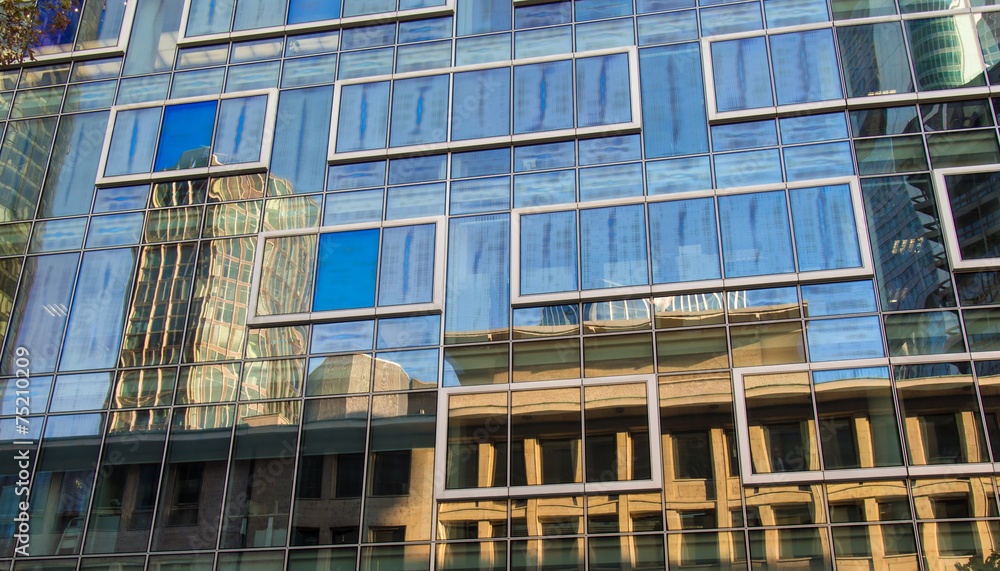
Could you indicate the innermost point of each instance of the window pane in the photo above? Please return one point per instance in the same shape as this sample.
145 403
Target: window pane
603 90
857 419
954 60
548 253
241 128
875 60
186 136
546 432
782 427
477 442
46 281
481 104
617 433
941 416
331 471
251 14
615 239
826 236
685 243
364 116
132 141
298 157
805 67
543 97
674 118
419 111
407 270
742 76
345 274
209 17
755 234
478 288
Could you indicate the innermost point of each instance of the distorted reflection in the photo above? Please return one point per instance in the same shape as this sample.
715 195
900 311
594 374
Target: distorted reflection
477 441
617 433
545 437
782 427
857 418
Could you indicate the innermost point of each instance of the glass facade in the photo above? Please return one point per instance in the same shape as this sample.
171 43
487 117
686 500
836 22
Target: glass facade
417 285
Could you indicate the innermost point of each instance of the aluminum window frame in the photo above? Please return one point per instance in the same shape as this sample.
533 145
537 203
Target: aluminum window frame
633 126
948 228
866 270
183 40
260 165
654 484
435 306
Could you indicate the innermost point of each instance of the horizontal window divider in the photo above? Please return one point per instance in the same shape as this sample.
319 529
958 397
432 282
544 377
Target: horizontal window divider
930 359
447 9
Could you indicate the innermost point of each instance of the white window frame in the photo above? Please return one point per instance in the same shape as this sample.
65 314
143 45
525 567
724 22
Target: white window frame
633 126
866 270
582 488
822 475
260 165
948 219
436 305
448 9
118 49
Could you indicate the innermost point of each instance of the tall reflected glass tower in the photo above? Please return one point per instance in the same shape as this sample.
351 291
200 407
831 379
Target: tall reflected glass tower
455 285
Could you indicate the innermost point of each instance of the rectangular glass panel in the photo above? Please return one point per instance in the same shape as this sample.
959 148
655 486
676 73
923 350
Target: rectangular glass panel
331 472
742 76
767 344
478 289
481 104
407 267
546 360
615 239
185 136
782 427
616 421
607 356
684 241
241 128
364 117
476 365
543 97
477 445
546 437
345 274
857 418
548 253
419 111
603 90
755 234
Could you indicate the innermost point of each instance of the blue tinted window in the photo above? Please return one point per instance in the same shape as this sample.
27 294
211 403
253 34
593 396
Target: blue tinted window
668 28
114 230
614 181
300 11
543 15
407 270
851 338
805 67
543 97
364 117
352 207
132 141
299 151
812 128
368 36
417 169
419 111
548 253
209 17
673 101
602 90
420 30
478 289
337 337
749 135
481 16
356 175
480 195
818 161
597 9
747 168
838 298
413 201
186 136
615 242
240 131
547 156
408 331
756 239
684 241
678 175
826 236
345 273
731 19
610 150
251 14
742 75
121 198
544 188
361 7
480 163
482 104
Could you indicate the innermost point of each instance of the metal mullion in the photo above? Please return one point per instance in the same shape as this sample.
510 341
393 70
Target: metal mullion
366 480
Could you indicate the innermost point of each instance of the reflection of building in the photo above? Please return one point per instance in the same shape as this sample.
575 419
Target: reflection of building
726 410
